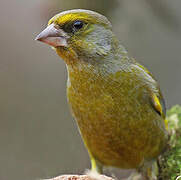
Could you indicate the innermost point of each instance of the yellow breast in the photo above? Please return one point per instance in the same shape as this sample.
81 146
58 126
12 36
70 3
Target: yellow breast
117 124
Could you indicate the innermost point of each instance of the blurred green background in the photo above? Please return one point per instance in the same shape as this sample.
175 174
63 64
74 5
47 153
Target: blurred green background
38 137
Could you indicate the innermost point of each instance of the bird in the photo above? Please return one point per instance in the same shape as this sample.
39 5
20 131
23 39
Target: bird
116 102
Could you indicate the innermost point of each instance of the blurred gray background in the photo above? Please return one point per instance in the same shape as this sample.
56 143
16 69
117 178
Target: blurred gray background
38 137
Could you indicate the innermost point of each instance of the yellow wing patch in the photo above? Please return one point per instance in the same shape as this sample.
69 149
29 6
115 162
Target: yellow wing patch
157 105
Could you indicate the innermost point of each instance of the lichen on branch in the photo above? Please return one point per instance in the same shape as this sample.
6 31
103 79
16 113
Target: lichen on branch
170 162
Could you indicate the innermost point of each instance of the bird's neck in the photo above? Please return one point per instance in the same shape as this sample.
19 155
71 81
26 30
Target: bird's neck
94 52
114 61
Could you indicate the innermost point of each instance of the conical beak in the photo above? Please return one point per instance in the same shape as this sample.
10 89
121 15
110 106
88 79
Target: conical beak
53 36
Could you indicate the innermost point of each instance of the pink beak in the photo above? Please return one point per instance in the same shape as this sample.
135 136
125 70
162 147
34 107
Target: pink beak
53 36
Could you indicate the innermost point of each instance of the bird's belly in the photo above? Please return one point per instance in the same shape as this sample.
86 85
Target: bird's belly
117 134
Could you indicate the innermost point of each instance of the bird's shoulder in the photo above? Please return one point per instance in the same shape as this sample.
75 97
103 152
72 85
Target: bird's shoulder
138 79
156 98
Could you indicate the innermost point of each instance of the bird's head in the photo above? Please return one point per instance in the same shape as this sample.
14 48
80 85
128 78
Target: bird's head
79 35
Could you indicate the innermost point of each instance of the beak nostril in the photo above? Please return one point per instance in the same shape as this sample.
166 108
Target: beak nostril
56 26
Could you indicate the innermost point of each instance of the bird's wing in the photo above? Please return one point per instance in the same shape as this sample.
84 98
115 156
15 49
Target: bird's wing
156 97
158 103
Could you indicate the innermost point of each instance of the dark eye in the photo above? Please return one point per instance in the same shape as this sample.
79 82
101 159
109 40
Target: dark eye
78 25
73 27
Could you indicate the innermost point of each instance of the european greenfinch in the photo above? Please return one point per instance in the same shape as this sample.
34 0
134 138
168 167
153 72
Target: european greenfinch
116 102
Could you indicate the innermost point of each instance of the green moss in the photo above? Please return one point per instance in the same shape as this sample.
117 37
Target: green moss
170 162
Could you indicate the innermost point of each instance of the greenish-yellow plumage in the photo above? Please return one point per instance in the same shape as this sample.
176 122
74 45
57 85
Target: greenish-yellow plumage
116 102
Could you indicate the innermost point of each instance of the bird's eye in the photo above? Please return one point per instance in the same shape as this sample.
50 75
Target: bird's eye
78 25
73 26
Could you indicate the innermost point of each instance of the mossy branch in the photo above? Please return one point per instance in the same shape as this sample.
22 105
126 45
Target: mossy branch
80 177
170 161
